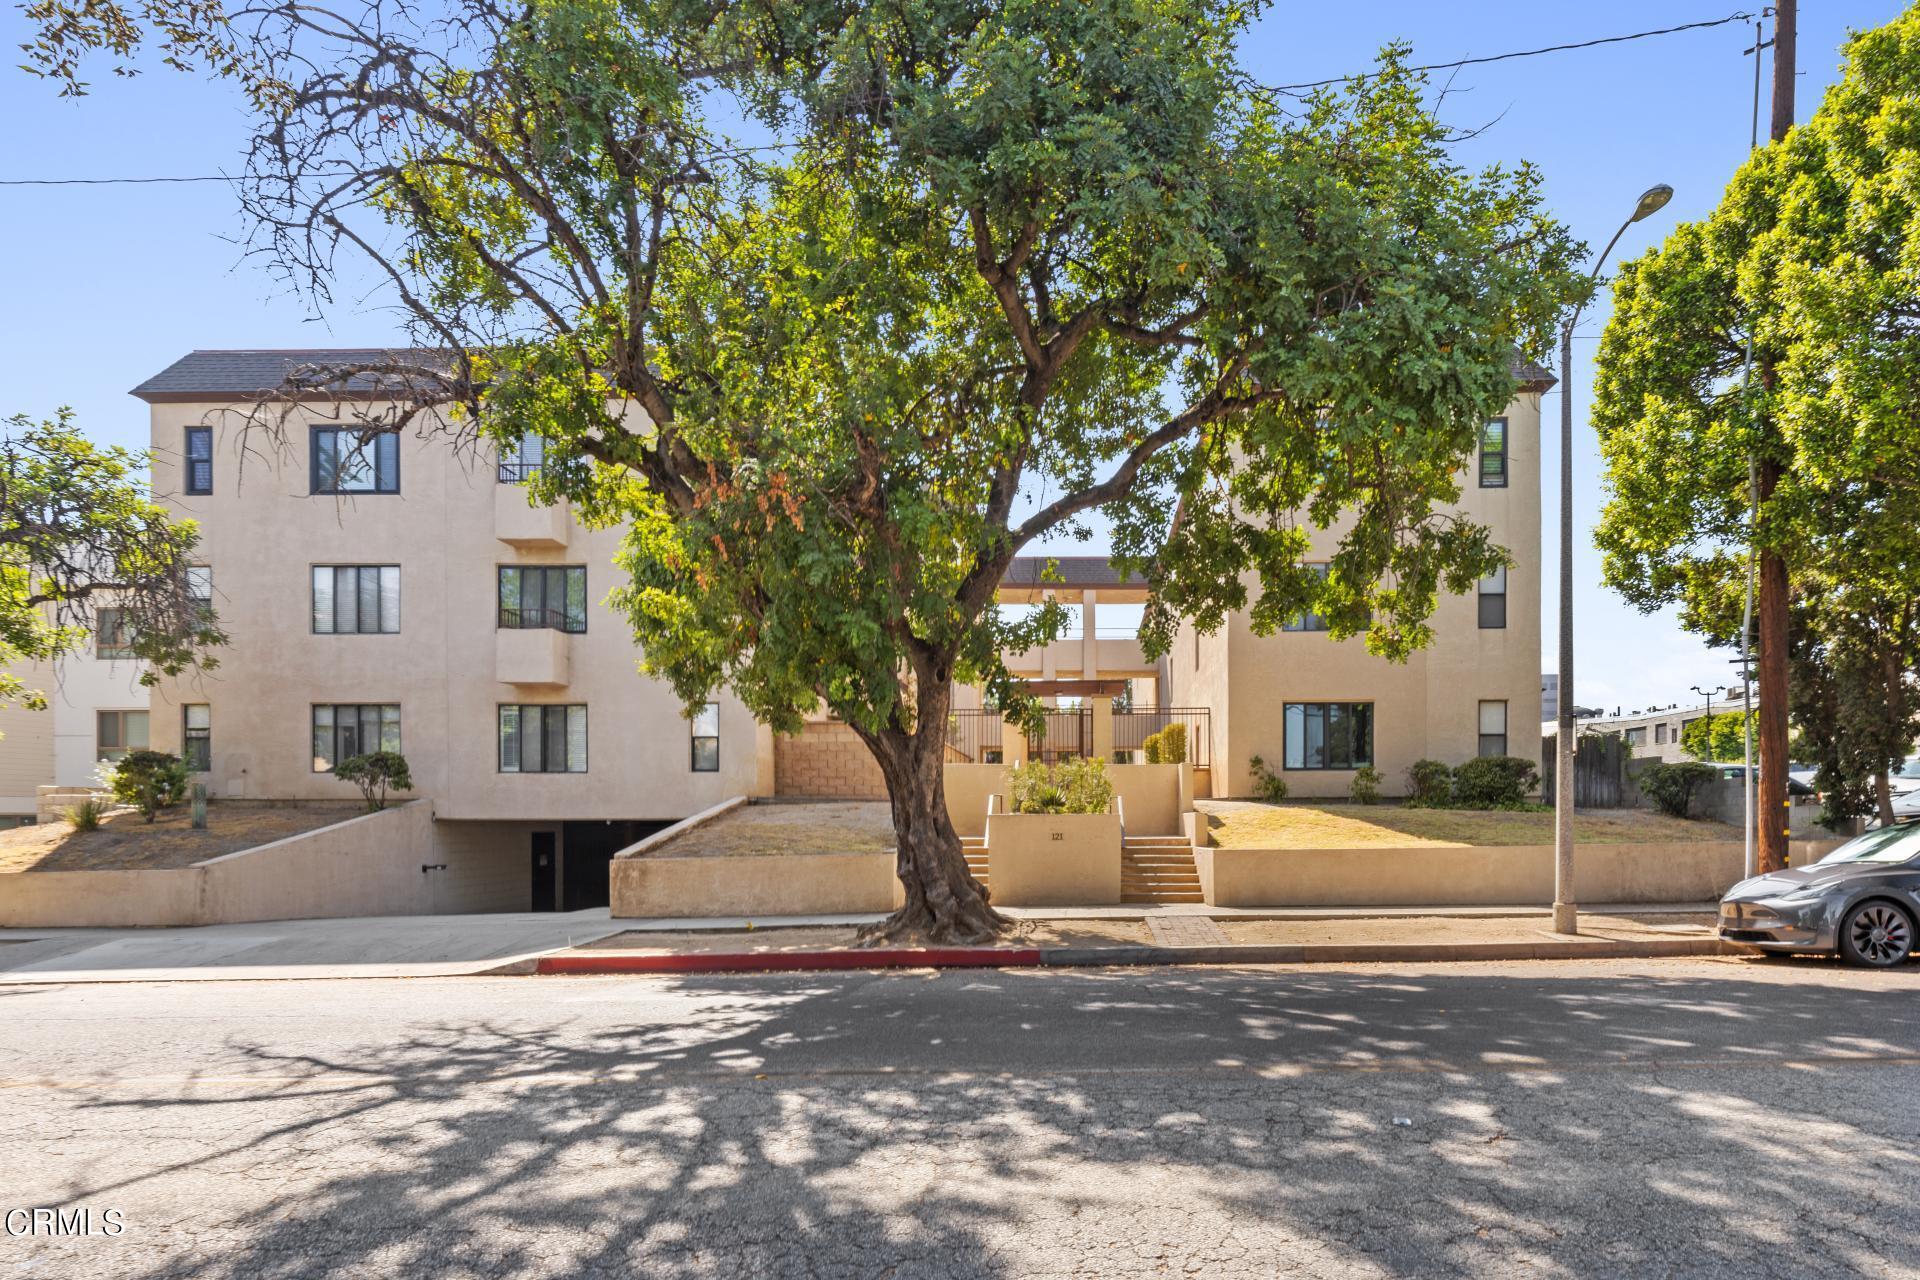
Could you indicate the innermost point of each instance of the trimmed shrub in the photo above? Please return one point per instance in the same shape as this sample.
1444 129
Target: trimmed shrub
1267 784
1169 746
150 781
1494 782
1366 785
86 815
1672 787
375 773
1429 785
1072 786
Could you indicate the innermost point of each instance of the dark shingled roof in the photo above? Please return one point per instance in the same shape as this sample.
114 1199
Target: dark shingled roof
1070 571
242 374
1533 377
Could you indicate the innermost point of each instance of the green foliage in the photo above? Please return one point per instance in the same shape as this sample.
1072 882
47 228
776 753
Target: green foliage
1672 787
1168 746
1267 784
1494 782
1072 786
1719 737
1429 785
375 773
150 781
1365 788
86 815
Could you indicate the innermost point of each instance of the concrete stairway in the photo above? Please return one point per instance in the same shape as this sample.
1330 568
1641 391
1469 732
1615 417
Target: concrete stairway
974 849
1158 869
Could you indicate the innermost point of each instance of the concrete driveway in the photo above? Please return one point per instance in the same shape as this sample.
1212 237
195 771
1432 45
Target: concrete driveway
364 947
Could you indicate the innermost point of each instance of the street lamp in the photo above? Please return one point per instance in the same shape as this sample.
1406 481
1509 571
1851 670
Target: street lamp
1708 695
1565 913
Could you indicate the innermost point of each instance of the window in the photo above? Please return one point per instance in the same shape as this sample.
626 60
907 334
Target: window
350 460
1637 736
343 731
199 459
543 596
1308 621
118 732
1493 600
706 739
543 739
1493 728
1493 454
356 599
196 736
1329 735
1660 733
521 462
112 635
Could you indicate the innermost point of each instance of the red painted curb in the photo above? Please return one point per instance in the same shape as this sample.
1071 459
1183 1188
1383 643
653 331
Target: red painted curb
751 962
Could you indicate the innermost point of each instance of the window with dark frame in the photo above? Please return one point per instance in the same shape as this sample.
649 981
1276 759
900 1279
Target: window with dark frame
522 461
199 460
1493 600
1328 735
356 599
196 736
343 730
706 739
1493 454
354 460
543 737
117 732
550 596
1308 621
112 635
1493 728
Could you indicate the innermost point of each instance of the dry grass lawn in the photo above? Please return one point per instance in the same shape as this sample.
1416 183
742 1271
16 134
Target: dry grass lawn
829 827
126 843
1249 824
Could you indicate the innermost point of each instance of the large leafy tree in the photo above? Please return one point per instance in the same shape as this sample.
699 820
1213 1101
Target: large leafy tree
840 305
79 533
1812 258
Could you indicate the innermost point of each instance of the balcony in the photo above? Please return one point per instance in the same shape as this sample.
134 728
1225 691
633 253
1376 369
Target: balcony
519 524
532 657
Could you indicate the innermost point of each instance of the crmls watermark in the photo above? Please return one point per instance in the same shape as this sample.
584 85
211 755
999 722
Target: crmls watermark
80 1221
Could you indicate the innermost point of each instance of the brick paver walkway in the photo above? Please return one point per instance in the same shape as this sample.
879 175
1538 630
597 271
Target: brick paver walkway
1184 931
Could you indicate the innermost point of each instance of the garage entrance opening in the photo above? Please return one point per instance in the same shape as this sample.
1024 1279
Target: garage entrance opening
586 856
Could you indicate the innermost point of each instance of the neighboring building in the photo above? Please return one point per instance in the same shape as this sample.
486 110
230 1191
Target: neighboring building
97 711
1549 697
1656 734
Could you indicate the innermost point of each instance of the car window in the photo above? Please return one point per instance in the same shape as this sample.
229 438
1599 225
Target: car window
1889 844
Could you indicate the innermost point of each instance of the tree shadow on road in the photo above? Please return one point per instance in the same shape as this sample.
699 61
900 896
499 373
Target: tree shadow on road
1112 1122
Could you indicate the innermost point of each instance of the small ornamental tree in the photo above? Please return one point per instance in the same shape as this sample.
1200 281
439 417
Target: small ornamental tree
375 773
1003 269
150 781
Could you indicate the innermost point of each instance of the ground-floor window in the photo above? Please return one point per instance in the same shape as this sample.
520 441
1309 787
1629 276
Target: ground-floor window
706 738
543 738
118 732
1329 735
1493 728
342 731
1123 756
196 736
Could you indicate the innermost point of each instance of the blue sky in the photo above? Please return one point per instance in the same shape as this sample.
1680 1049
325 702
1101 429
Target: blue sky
106 285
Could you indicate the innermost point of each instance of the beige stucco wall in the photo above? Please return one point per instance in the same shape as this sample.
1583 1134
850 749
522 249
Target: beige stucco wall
1054 859
1426 707
811 884
1150 792
1519 875
261 533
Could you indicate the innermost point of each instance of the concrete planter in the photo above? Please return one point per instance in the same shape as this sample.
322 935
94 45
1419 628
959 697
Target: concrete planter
753 885
1054 859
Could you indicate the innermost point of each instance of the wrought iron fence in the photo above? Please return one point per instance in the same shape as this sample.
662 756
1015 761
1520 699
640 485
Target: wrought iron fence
976 737
1066 733
1131 729
536 619
514 471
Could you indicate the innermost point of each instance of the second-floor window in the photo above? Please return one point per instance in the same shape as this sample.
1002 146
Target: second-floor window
1493 454
199 459
552 596
1493 600
543 738
356 599
521 462
1308 621
342 731
352 460
112 635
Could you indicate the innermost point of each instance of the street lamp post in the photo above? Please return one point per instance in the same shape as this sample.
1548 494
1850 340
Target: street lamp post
1708 694
1566 916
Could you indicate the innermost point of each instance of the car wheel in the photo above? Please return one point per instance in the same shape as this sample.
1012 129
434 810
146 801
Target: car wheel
1878 934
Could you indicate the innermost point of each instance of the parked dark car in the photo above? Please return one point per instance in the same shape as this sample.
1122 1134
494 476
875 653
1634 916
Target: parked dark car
1862 901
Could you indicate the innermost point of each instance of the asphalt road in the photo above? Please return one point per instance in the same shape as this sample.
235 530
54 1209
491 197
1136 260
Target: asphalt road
1710 1117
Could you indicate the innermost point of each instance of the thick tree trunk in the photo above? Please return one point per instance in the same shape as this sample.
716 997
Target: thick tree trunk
1883 797
944 903
1770 805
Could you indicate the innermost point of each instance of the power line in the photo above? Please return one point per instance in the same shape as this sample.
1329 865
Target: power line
1278 88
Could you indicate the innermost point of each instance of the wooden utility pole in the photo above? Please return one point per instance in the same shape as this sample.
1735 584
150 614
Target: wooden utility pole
1770 814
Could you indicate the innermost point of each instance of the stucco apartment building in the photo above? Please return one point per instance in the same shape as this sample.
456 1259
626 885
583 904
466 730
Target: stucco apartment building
96 712
409 597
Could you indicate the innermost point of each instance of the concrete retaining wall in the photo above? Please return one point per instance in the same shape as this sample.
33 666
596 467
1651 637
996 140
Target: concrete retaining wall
1519 875
753 885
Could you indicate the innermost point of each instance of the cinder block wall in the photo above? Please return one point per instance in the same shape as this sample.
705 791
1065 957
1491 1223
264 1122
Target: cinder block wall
826 759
